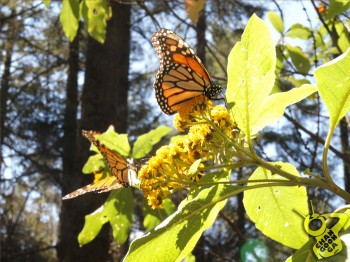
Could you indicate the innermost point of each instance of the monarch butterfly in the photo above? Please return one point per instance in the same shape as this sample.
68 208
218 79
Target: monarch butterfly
123 173
181 75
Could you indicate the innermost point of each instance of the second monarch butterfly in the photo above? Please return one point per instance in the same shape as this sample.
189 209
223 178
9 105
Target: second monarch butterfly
181 75
123 173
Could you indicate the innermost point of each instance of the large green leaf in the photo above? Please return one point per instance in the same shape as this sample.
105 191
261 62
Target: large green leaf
333 82
177 235
275 105
272 209
251 74
144 143
69 18
117 210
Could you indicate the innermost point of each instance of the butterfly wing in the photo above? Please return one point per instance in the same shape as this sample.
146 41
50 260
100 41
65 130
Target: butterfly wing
125 173
100 186
181 76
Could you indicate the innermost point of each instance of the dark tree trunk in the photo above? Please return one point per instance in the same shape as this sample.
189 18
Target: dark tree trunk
105 94
344 137
104 102
201 41
5 86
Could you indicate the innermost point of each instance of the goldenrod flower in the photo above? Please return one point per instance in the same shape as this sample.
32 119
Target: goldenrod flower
168 170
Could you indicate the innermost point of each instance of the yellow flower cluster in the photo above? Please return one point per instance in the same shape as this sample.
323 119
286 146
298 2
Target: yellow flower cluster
168 170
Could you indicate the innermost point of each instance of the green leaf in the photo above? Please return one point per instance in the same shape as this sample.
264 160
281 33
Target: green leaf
305 253
276 21
279 67
275 104
298 82
299 31
47 3
333 83
69 18
280 58
94 164
114 141
254 250
177 235
153 217
337 7
117 210
299 59
344 38
96 14
272 209
189 258
251 74
193 170
144 143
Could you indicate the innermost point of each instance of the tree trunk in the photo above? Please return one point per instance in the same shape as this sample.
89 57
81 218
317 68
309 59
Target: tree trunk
344 137
104 102
201 41
5 86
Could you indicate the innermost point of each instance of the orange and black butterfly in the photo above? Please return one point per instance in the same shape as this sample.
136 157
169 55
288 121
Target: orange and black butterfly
123 173
181 75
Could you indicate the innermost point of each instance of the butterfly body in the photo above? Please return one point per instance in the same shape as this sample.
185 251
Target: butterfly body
181 76
124 174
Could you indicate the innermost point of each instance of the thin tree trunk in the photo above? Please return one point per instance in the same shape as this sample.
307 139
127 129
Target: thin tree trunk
344 137
201 41
104 102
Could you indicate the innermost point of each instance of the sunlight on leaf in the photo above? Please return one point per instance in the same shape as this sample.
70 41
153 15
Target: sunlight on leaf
118 210
176 236
276 104
333 82
272 209
94 164
337 7
276 21
144 143
344 38
251 74
47 3
114 141
153 217
299 31
193 170
299 58
69 18
96 14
